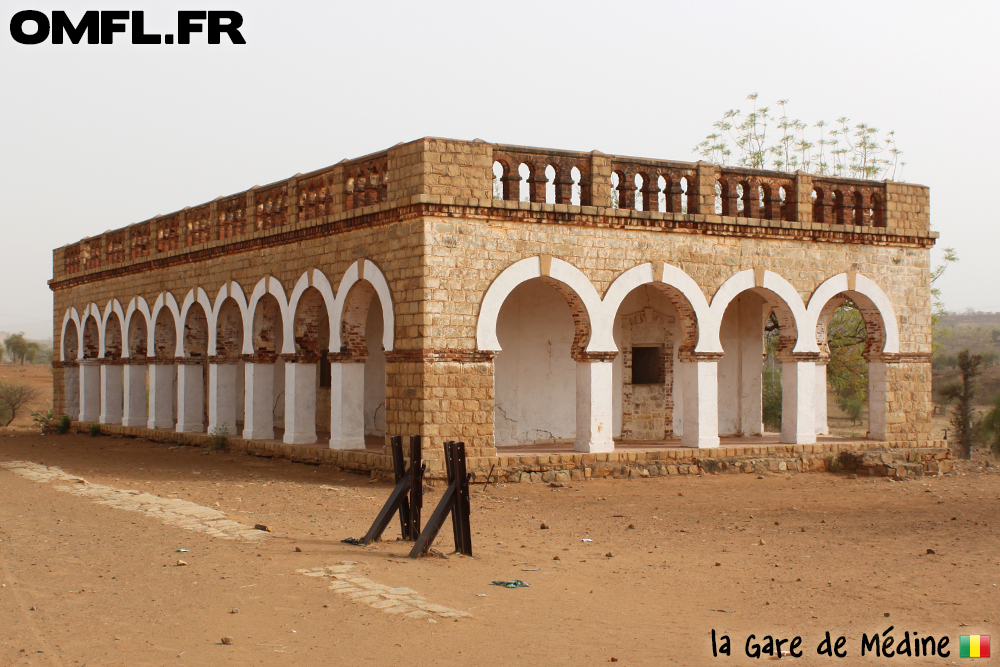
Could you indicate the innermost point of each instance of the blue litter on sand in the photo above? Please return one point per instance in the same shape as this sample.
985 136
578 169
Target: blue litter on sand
511 583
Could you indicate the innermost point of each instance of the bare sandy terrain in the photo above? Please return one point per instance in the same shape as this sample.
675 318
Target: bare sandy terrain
669 560
38 376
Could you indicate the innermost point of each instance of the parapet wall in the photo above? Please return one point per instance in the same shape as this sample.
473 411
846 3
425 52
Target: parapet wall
450 172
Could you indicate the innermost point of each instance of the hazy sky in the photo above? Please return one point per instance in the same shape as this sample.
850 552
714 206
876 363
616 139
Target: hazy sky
97 137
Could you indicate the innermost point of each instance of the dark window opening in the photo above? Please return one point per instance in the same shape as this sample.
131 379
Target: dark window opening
647 365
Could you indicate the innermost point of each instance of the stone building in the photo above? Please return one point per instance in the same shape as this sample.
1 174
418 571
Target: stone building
499 295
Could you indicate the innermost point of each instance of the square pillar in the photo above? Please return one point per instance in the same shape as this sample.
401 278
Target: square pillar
258 420
877 400
190 398
700 386
822 425
111 393
134 393
593 407
798 402
90 390
71 385
301 382
222 396
161 396
347 405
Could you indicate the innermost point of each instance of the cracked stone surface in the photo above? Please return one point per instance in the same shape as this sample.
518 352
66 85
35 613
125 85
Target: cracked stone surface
181 513
399 600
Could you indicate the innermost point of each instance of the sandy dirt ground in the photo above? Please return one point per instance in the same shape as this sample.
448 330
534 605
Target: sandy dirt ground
669 559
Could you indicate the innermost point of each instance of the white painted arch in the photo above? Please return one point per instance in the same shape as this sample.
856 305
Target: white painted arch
867 290
529 268
71 316
363 269
645 274
745 281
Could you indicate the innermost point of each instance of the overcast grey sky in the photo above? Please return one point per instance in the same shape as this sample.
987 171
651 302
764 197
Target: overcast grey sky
97 137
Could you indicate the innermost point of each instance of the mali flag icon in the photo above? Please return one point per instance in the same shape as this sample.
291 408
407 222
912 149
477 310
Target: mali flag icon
975 646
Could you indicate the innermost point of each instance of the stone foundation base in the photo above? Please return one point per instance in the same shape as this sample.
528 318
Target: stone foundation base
887 459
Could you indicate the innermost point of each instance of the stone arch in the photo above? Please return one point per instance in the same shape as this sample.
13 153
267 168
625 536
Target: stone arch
310 325
91 347
163 338
683 292
137 327
69 338
195 316
871 301
779 294
228 314
112 345
361 271
267 328
571 283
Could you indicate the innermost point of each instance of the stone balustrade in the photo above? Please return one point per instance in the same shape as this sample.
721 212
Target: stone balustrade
463 173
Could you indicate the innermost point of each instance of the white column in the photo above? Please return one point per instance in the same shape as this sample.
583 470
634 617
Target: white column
798 405
134 392
222 397
190 398
300 403
90 390
822 426
161 396
593 407
878 394
700 385
347 405
751 364
111 393
258 419
71 388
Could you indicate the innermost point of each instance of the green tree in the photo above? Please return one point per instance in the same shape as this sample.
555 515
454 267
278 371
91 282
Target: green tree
962 393
18 347
847 369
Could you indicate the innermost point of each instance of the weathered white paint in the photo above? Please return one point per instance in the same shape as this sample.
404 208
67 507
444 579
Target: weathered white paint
347 424
166 300
487 336
775 288
190 398
822 423
700 384
300 403
114 308
223 396
134 395
865 292
259 401
373 275
798 407
742 338
90 390
111 393
137 307
534 375
593 407
161 395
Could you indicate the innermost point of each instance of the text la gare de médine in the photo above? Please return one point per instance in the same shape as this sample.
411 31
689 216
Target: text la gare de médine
99 27
883 646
